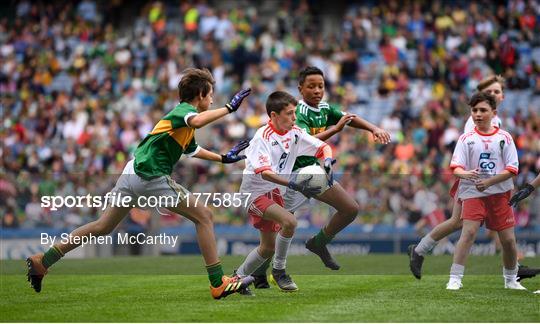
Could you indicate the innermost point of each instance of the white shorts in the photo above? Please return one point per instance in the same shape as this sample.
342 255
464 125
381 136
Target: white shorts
164 188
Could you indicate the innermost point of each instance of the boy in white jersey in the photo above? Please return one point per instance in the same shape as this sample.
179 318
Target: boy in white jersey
493 85
485 160
269 163
322 120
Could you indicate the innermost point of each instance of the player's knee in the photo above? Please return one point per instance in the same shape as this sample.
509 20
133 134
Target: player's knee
457 223
205 217
468 234
508 242
350 211
289 224
101 228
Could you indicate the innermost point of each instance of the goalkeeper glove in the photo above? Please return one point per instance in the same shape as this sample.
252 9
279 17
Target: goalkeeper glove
237 99
523 193
232 156
304 188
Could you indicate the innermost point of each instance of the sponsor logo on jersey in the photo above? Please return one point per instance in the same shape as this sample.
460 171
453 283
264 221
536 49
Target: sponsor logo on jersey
317 130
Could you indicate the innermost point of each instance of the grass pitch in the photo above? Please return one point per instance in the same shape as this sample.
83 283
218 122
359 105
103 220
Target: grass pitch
377 288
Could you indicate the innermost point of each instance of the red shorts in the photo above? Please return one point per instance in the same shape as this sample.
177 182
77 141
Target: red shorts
259 206
454 189
493 209
435 218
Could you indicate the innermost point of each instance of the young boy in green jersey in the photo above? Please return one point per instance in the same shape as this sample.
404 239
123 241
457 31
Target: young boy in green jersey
316 117
149 175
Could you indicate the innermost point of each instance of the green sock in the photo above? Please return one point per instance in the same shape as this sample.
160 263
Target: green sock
51 256
322 239
261 270
215 272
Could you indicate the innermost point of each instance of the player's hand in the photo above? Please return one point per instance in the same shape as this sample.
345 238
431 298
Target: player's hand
232 156
328 162
472 175
237 99
381 136
522 193
345 120
304 188
482 185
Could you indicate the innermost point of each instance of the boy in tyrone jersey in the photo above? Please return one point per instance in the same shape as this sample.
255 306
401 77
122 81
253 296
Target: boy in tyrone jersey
269 163
485 160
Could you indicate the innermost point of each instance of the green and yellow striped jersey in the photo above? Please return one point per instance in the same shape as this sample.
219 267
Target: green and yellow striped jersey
159 151
314 121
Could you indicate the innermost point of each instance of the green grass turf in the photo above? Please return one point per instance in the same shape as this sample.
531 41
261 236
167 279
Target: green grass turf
375 288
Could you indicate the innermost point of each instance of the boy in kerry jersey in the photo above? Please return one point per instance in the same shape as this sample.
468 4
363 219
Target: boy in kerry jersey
149 175
269 163
485 160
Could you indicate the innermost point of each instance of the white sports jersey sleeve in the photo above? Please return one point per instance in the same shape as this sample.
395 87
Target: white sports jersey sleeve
308 145
469 125
459 158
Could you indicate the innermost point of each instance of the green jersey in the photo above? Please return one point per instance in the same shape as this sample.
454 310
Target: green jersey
314 121
162 147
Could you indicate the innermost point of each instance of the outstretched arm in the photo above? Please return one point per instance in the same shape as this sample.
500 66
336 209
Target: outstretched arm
209 116
323 136
204 154
301 186
379 134
230 157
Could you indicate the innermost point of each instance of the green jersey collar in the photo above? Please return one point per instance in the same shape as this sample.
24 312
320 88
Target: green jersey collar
322 104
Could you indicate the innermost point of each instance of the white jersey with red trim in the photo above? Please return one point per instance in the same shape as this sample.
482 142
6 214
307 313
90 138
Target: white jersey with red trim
469 125
271 150
490 154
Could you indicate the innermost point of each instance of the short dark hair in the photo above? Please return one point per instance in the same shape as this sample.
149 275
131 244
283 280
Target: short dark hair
307 71
278 100
486 82
479 97
193 83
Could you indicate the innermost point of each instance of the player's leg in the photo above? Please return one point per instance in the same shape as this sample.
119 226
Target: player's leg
112 215
466 240
220 284
258 256
287 221
509 255
292 200
494 237
39 263
428 242
346 210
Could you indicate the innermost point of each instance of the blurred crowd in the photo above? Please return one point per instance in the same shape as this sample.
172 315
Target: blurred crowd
83 82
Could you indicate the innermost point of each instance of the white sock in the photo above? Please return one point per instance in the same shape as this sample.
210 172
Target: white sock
251 263
510 274
282 248
457 271
426 244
